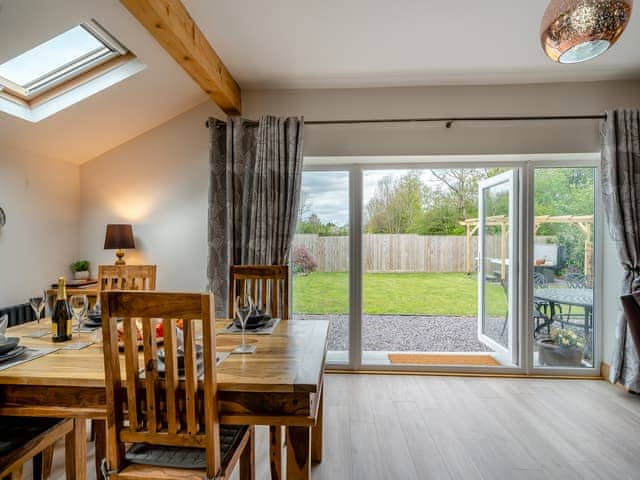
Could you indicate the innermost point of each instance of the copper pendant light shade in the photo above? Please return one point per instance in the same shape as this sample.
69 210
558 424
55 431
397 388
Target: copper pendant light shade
574 31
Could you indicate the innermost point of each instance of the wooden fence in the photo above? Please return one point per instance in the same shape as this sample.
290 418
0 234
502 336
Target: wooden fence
395 253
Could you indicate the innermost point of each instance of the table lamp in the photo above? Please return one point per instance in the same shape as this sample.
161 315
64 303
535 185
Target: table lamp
119 237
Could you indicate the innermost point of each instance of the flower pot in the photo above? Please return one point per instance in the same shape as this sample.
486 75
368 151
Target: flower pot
81 275
556 356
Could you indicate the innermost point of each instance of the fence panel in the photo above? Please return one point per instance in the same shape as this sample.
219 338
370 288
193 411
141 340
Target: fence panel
392 253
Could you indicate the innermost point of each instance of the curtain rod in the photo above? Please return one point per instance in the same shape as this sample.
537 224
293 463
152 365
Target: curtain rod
448 121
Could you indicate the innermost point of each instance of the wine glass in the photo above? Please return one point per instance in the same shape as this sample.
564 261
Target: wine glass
38 303
78 305
243 311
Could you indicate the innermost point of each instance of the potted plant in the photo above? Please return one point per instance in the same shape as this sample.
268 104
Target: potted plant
80 269
562 349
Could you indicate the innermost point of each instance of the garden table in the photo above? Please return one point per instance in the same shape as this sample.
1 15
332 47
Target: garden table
580 297
281 384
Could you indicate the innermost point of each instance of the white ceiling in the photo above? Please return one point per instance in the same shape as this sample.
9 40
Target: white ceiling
293 44
375 43
111 117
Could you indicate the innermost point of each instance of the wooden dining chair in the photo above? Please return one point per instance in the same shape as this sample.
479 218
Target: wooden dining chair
267 284
162 421
632 311
126 277
26 438
269 287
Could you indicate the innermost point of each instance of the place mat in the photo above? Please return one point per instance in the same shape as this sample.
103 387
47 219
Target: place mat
38 334
442 359
30 354
266 330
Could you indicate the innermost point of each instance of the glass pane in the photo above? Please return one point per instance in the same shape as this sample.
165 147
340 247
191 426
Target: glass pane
495 322
320 257
49 56
563 267
419 247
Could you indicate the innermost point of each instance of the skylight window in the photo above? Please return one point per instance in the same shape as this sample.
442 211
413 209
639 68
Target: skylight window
57 60
63 71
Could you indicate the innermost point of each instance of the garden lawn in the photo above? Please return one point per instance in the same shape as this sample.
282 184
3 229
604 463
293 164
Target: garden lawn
453 294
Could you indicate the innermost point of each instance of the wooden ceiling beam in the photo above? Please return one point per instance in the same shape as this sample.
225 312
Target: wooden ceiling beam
170 24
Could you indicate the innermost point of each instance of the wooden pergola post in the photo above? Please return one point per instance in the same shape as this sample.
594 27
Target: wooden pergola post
583 222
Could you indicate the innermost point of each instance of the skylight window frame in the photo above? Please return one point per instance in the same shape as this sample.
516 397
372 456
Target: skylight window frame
110 49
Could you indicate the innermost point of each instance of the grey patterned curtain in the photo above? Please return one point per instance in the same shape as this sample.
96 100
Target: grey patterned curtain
621 195
254 192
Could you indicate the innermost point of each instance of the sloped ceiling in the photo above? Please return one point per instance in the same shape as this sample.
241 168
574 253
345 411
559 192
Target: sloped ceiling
283 44
110 117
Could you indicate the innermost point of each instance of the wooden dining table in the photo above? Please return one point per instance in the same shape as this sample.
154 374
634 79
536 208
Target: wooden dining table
281 384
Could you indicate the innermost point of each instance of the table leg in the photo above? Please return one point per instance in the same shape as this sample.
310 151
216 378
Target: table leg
298 453
316 433
275 451
76 450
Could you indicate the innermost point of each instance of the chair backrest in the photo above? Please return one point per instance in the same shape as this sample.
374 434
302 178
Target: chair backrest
126 277
150 406
539 280
575 280
267 284
632 311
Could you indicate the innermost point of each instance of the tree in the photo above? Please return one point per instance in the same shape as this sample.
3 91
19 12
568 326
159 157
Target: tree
397 205
313 225
462 183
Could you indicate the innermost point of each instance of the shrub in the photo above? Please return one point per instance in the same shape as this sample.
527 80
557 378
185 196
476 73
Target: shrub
303 262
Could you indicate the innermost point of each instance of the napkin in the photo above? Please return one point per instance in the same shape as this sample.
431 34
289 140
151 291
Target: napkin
4 322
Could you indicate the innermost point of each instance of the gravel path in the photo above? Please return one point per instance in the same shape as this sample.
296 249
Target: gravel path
409 333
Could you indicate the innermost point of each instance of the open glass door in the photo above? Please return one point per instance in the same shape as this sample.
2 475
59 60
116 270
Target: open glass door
496 266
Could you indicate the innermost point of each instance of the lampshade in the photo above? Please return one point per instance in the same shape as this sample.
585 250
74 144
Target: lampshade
119 236
575 31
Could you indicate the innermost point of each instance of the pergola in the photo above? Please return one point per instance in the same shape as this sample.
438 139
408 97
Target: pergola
583 222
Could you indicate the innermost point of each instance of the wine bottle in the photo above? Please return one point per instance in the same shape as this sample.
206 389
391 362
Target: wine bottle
61 315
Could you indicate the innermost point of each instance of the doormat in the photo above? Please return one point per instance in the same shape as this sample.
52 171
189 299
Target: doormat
442 359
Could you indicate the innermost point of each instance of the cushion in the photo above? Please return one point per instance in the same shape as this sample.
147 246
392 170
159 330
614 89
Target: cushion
184 457
15 432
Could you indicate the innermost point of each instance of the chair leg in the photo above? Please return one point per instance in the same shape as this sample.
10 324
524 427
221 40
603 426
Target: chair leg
275 449
42 464
16 474
247 458
100 434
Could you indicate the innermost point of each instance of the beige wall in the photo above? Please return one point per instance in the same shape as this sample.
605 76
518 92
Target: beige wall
41 199
463 138
158 181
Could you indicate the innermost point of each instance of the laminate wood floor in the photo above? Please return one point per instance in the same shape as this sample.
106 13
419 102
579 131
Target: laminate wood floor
418 427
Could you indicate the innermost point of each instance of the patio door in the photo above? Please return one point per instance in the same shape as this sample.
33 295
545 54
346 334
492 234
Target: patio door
497 258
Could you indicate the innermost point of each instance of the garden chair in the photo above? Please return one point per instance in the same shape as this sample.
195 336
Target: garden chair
540 307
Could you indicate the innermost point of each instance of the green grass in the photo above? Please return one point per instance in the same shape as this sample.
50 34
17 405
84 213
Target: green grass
397 293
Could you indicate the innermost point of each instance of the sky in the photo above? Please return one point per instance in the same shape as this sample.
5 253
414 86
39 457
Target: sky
327 193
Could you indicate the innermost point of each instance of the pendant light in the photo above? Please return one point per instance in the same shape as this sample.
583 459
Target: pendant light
574 31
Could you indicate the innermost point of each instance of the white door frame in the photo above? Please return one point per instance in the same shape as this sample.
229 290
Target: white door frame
526 164
508 353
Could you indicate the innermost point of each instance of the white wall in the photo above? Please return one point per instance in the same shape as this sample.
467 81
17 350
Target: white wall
41 199
159 183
